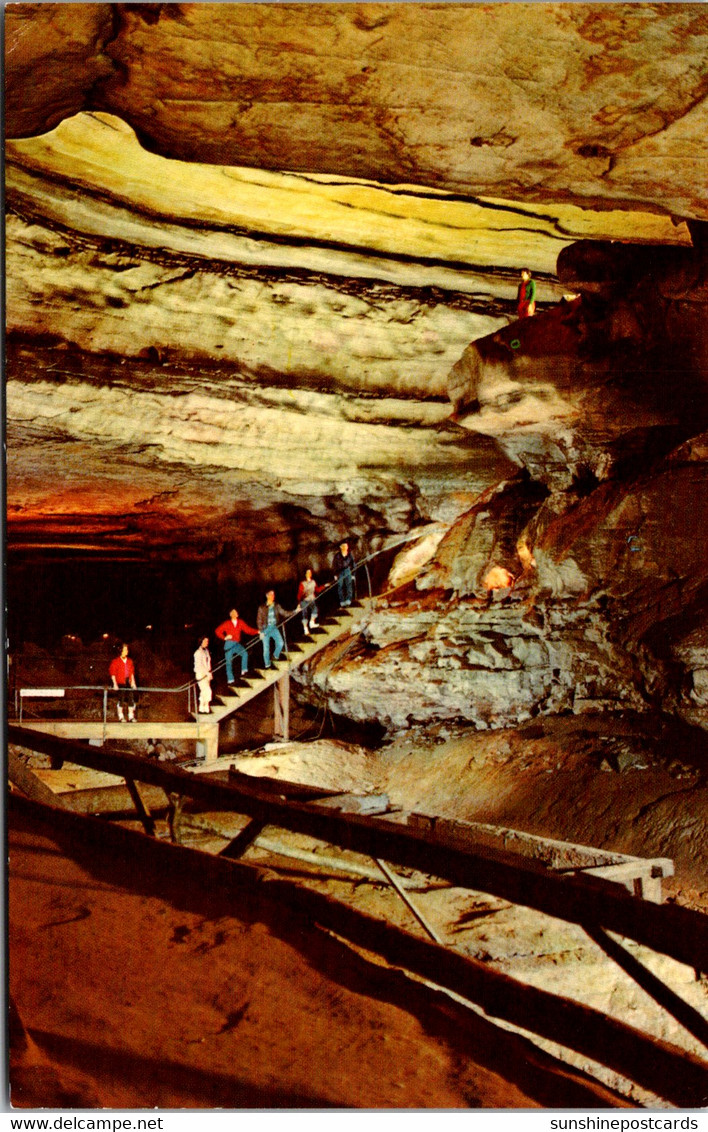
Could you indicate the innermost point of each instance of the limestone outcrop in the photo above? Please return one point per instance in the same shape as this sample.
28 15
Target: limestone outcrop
608 615
601 401
207 369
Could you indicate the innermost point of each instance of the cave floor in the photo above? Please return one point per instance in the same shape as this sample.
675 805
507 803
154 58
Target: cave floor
137 999
158 1027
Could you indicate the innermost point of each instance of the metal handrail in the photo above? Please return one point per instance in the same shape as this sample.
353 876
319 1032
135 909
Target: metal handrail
105 689
99 688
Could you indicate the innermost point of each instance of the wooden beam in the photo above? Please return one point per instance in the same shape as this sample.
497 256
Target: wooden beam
668 1071
208 741
281 706
22 777
393 880
174 816
689 1018
90 729
143 813
557 855
668 928
280 787
245 837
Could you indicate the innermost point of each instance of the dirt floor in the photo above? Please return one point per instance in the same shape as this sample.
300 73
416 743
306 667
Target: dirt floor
139 993
139 998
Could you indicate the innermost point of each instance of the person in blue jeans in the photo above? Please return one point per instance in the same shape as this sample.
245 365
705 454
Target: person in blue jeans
230 633
270 618
343 567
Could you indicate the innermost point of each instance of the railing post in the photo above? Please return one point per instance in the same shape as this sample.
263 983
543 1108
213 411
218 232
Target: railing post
281 707
105 712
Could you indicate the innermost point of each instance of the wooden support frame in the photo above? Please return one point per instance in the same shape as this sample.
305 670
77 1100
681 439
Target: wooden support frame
30 785
679 1077
668 928
641 876
143 812
208 741
245 837
689 1018
416 912
174 815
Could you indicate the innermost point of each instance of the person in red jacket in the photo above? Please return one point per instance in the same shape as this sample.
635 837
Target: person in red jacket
122 673
526 295
230 633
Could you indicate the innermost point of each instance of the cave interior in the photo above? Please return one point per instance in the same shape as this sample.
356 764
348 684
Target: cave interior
262 265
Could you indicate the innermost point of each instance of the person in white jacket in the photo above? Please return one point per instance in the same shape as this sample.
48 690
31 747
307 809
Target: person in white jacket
202 671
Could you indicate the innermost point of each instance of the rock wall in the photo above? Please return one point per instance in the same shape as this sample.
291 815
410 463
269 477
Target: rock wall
600 535
227 363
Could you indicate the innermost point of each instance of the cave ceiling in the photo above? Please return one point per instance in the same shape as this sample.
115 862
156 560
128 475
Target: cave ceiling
601 105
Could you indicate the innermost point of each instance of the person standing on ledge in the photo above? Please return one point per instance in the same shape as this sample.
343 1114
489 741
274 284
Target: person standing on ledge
122 673
203 674
343 566
526 295
270 617
230 633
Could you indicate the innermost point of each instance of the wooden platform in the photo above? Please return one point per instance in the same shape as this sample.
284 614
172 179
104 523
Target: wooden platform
94 729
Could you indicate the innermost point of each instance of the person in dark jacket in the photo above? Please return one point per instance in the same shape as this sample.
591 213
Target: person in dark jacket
270 617
343 566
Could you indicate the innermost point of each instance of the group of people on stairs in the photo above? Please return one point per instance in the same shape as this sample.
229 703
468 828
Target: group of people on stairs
271 614
269 620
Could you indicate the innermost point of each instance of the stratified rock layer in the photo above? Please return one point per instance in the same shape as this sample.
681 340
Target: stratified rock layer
216 359
454 96
226 364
